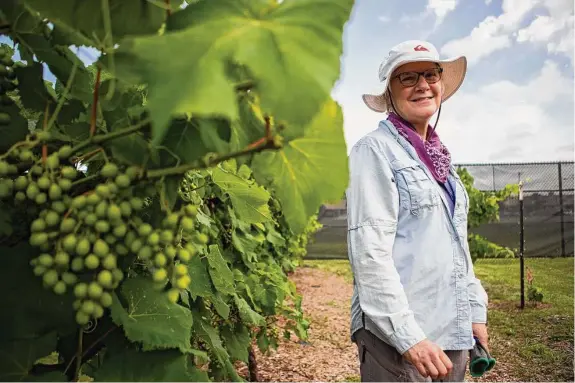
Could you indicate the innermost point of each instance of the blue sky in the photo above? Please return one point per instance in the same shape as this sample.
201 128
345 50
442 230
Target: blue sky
516 103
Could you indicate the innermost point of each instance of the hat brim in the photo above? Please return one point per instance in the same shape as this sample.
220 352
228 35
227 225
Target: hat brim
454 71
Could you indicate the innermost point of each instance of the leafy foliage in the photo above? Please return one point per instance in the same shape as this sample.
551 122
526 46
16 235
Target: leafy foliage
484 208
155 201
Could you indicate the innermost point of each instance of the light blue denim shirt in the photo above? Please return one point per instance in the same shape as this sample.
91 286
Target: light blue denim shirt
413 275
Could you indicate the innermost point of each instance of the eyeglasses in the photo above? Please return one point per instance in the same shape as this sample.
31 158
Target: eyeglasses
411 78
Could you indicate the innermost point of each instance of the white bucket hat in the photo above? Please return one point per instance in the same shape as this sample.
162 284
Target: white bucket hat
454 70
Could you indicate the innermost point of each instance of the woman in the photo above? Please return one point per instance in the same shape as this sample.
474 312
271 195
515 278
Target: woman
417 304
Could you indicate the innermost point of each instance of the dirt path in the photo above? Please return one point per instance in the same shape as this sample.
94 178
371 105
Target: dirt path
328 354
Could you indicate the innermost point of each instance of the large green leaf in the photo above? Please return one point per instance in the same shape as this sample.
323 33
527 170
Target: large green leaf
222 276
127 17
308 171
128 364
151 318
34 310
15 131
292 50
249 199
18 357
201 286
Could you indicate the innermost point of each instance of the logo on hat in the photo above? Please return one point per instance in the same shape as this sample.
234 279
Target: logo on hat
420 48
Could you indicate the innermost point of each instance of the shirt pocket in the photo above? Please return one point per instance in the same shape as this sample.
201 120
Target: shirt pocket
417 191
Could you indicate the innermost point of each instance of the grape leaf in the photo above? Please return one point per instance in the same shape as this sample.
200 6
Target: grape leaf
222 276
128 17
15 131
248 315
294 65
127 364
17 357
33 92
249 200
150 317
237 342
202 286
297 172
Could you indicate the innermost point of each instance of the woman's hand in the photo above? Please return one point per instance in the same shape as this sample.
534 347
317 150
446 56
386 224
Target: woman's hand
480 332
429 359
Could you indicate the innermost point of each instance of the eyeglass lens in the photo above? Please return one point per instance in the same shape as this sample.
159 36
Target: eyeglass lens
411 78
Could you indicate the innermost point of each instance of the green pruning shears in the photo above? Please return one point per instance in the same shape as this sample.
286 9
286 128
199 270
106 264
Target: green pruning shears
481 361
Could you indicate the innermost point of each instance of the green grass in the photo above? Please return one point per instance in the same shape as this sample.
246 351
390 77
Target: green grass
533 344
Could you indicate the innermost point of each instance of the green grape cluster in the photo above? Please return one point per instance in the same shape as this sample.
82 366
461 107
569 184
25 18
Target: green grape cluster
7 78
162 250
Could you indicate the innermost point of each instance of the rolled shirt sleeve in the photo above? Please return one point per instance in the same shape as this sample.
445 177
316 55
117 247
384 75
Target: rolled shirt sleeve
373 207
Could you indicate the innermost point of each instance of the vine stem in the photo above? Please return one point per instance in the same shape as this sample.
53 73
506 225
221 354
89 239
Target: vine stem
267 144
100 138
169 10
79 356
95 102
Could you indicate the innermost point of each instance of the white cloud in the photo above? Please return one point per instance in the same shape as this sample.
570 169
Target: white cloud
441 8
501 121
554 31
384 19
495 33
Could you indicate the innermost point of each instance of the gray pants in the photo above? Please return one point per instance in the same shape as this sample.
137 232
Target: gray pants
380 362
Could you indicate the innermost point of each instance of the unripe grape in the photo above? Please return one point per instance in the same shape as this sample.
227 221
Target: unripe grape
136 246
170 252
160 275
109 170
81 318
77 264
160 260
106 299
20 196
69 243
173 295
55 192
181 270
109 262
183 282
187 224
93 199
118 275
38 225
121 249
69 278
60 288
126 208
37 170
123 181
202 238
154 239
105 278
38 239
184 255
45 260
44 183
87 307
67 225
4 168
114 212
145 253
32 191
137 203
91 262
26 155
91 219
39 270
79 202
59 207
110 239
103 191
50 277
83 247
120 231
191 210
65 152
61 258
102 227
145 230
69 172
81 290
65 184
98 311
95 290
21 183
166 236
52 162
132 172
52 218
101 209
41 198
172 220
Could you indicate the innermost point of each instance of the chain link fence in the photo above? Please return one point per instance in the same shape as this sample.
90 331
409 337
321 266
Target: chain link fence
548 211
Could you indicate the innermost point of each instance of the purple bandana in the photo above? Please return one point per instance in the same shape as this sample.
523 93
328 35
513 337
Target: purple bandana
433 153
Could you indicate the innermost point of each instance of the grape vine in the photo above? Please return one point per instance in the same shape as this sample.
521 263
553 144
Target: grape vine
153 210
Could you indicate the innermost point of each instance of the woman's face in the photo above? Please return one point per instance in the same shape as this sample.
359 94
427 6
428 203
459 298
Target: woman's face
415 98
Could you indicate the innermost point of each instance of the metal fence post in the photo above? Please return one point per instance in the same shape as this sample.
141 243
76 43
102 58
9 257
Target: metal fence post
561 211
521 244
